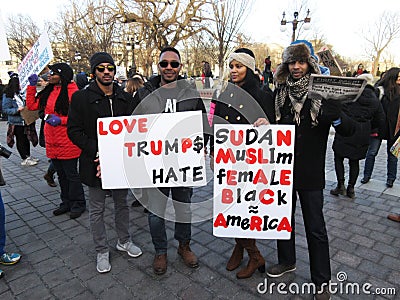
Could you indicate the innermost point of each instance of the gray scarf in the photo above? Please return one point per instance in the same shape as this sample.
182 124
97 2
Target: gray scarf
297 91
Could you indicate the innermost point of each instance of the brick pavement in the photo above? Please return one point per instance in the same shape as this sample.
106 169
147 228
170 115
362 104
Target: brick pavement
58 259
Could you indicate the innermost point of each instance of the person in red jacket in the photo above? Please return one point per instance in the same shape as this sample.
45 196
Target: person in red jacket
54 99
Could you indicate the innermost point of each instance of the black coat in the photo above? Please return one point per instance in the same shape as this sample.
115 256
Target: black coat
368 113
310 145
86 107
243 105
150 101
391 108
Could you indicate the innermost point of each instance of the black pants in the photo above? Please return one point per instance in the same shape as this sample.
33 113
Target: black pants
72 195
317 237
354 169
23 146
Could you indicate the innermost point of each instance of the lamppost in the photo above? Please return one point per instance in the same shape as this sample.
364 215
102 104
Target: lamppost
130 45
78 57
295 22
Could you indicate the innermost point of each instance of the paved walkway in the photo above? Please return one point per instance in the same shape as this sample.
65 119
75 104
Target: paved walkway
58 259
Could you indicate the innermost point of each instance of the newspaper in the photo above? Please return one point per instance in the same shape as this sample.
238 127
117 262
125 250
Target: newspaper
345 89
395 149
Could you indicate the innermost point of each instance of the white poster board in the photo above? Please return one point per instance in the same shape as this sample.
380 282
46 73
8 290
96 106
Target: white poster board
154 150
253 180
36 60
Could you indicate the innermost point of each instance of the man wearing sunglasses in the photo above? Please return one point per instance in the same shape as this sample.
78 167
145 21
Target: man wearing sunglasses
101 98
169 93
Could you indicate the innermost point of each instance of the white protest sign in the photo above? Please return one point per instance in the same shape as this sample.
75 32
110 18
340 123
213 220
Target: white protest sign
120 72
253 180
4 50
36 60
345 89
154 150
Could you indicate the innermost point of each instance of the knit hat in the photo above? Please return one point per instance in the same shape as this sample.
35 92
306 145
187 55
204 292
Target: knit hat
293 53
64 70
98 58
368 77
245 59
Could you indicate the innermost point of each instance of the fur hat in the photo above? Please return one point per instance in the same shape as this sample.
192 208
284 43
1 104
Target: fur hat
295 52
99 58
64 70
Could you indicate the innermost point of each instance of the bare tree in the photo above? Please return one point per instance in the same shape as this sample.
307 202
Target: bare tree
380 34
225 21
87 27
22 33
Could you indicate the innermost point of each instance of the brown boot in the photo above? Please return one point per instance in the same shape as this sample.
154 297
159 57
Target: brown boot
256 261
49 177
188 256
236 257
160 264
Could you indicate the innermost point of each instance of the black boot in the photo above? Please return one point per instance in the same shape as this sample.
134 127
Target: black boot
350 191
339 190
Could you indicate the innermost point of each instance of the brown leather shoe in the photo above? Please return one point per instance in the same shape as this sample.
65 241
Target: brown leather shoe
160 264
394 217
50 179
237 256
187 255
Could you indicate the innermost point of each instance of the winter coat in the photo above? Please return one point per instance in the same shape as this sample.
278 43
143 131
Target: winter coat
368 113
391 108
10 107
243 105
310 144
86 107
188 99
58 145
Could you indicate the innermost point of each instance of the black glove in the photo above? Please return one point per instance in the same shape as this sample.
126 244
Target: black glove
331 109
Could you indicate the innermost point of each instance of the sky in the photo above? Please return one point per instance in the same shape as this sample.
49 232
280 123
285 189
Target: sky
340 21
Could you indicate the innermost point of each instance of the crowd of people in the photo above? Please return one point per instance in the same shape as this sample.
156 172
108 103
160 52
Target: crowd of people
69 110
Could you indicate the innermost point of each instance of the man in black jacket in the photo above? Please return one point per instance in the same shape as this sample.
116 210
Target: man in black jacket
101 98
313 119
166 93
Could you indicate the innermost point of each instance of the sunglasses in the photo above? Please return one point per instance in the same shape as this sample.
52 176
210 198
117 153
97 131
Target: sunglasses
101 69
173 64
51 72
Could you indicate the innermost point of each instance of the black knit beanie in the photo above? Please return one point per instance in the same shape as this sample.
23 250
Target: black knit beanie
64 70
99 58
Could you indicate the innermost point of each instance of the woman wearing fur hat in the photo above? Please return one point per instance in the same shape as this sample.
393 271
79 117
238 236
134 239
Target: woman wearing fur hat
54 99
243 102
312 118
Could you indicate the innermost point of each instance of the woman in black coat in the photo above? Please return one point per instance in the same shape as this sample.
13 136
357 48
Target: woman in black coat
368 113
243 102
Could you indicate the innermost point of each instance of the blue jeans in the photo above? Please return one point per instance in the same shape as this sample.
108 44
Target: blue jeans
316 234
373 149
157 205
2 226
72 195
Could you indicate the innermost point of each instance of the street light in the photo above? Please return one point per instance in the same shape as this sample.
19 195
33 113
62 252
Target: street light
78 57
295 22
130 45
